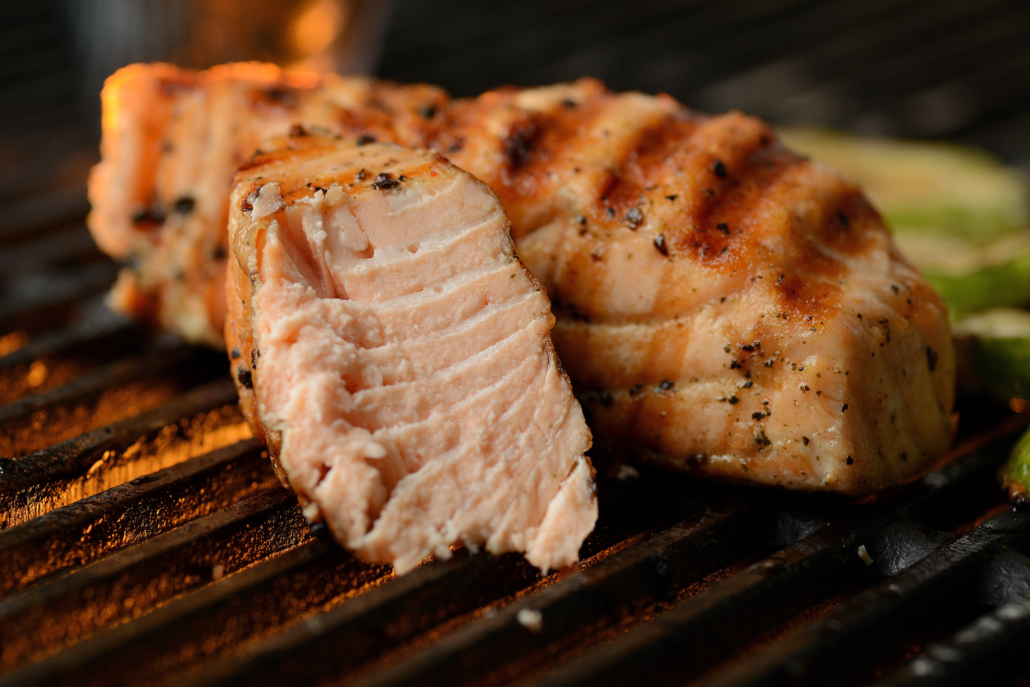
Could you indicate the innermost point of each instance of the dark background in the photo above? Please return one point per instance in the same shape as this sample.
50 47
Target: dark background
945 69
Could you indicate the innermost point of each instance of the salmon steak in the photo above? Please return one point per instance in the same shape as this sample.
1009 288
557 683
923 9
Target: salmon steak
723 306
396 356
172 139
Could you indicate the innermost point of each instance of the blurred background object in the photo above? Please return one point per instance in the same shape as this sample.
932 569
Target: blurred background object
321 35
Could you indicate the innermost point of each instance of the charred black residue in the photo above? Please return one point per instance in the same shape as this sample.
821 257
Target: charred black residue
518 146
184 205
635 389
361 175
666 385
661 245
235 353
606 398
281 95
427 111
931 358
254 355
365 140
385 181
805 440
634 218
720 169
148 216
760 414
850 460
844 407
723 227
244 377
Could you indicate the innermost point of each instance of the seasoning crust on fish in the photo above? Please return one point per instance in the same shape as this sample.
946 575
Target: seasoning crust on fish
723 305
387 340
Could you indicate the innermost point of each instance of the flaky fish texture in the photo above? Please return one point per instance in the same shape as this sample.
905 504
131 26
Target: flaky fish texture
172 139
397 355
723 305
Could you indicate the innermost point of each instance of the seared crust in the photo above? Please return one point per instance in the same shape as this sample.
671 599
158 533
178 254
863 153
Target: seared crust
724 305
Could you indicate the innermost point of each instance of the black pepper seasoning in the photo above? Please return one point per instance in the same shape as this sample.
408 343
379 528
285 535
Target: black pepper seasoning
659 243
634 218
366 139
720 169
385 181
184 205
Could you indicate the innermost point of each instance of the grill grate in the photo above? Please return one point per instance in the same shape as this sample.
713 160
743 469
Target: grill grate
159 548
144 538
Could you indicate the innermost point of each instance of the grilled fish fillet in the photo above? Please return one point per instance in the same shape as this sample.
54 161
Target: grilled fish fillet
723 305
172 139
387 339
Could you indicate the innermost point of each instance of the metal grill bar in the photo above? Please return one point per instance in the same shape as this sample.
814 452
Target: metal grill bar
130 513
43 619
115 454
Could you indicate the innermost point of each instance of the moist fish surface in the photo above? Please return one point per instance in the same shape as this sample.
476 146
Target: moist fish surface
397 357
172 139
723 305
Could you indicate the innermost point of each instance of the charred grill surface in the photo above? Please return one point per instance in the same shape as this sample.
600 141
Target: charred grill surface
148 541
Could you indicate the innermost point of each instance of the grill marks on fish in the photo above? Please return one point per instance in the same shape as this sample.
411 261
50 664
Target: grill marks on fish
762 245
406 360
757 252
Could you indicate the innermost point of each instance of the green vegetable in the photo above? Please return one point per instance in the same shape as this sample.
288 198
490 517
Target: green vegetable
938 188
1015 474
973 277
993 349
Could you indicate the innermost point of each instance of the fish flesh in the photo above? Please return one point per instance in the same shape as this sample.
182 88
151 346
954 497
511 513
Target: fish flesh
724 306
396 355
172 139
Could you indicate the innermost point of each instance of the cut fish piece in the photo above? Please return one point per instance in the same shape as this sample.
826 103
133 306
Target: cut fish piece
172 139
397 357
